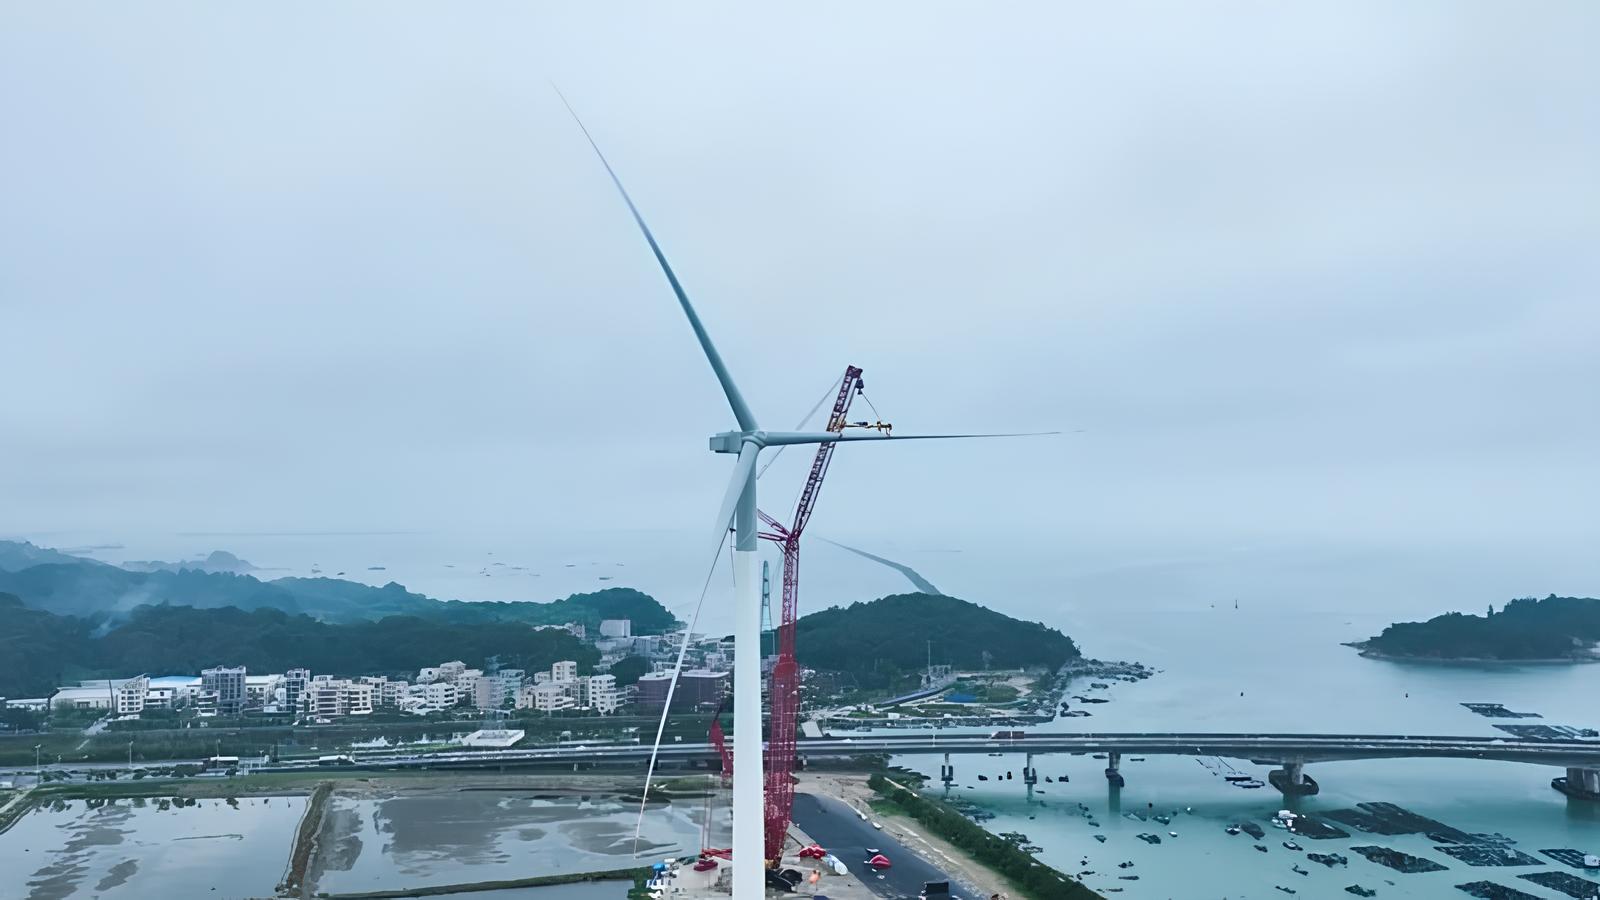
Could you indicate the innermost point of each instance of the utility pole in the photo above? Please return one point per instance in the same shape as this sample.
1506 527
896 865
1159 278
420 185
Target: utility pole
38 767
130 755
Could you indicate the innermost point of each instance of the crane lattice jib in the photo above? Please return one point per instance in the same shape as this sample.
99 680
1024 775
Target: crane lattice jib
783 685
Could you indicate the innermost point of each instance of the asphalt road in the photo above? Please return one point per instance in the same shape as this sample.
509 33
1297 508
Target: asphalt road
841 832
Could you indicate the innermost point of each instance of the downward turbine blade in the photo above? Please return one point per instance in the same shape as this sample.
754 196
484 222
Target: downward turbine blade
741 411
782 438
736 487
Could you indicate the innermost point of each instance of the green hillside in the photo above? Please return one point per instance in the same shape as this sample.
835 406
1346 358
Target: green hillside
881 641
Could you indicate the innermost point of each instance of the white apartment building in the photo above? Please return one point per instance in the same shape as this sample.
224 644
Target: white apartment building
435 695
551 696
261 690
293 685
130 695
566 670
493 690
391 692
326 697
386 691
600 694
616 628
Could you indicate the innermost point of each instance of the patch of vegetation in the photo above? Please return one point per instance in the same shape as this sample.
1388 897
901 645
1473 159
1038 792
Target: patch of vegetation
1526 629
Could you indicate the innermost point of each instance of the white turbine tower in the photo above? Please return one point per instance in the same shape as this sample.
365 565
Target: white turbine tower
739 510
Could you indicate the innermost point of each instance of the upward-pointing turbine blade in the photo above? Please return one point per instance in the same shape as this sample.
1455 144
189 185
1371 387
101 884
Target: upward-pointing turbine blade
782 438
736 487
741 411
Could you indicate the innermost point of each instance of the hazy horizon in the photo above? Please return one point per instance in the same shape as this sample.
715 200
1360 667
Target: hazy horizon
1317 278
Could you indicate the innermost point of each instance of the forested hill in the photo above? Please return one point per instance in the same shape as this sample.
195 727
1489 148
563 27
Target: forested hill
878 640
72 586
40 650
1555 628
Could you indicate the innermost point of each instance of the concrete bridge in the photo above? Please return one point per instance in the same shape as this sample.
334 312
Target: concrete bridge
1290 752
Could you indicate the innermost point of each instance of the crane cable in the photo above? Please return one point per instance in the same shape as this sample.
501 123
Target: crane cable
666 708
833 388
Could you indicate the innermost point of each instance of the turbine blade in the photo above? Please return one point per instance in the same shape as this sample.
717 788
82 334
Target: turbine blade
784 438
741 411
736 487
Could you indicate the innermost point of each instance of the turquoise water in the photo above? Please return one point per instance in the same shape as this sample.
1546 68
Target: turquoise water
1294 676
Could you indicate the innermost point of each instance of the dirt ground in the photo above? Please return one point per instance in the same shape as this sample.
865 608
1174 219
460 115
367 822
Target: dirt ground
853 790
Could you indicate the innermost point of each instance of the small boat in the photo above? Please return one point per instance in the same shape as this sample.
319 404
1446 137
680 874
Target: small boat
1232 829
1237 778
1299 871
879 861
1290 845
1172 834
1101 838
705 865
1260 847
1251 783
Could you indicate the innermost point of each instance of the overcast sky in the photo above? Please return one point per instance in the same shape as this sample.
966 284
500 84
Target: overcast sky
1321 272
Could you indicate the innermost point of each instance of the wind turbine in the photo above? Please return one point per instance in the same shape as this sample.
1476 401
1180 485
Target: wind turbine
738 510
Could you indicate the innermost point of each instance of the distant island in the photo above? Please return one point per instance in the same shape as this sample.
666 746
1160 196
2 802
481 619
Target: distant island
76 586
1555 629
215 561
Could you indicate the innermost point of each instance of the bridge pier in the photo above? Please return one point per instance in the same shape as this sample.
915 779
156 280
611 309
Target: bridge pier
1293 781
1113 769
1580 783
947 771
1030 775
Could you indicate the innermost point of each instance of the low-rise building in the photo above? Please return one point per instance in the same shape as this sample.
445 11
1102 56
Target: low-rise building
327 697
551 696
600 694
228 684
433 696
697 688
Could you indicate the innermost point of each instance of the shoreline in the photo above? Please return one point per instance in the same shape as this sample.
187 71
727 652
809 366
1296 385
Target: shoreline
1366 652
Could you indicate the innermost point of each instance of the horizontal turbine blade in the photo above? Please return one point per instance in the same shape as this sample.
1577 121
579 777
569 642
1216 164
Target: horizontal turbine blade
741 411
742 471
782 438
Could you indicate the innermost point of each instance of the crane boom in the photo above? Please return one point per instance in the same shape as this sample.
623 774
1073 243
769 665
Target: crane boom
783 685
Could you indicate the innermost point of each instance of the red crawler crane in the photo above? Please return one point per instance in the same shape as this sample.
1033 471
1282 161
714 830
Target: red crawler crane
783 685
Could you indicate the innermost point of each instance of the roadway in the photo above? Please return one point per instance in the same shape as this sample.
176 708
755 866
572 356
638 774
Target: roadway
836 827
1258 748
